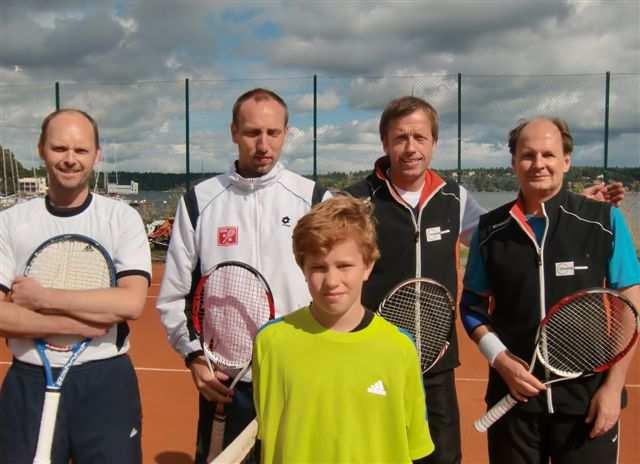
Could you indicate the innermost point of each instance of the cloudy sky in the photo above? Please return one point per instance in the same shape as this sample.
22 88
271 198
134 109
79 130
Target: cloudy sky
125 61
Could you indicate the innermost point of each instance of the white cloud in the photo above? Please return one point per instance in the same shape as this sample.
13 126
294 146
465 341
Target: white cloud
126 61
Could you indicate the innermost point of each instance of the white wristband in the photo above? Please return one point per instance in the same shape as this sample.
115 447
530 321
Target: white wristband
491 346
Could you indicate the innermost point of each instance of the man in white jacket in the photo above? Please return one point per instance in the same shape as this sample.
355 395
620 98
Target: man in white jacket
246 214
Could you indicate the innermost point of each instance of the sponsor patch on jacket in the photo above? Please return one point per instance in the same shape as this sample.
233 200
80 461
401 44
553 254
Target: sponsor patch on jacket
434 234
228 236
568 268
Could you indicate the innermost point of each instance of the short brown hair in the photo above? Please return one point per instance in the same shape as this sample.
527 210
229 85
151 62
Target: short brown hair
561 124
51 116
258 94
332 221
404 106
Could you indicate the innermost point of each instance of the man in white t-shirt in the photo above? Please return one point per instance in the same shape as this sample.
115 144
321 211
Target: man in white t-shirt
99 419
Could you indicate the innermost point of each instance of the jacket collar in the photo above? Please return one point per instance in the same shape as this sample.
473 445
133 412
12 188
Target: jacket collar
551 209
432 182
255 183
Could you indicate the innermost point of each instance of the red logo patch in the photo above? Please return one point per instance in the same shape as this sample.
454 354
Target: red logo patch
227 236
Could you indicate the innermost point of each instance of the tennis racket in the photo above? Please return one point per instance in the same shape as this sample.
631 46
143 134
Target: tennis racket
231 302
582 334
70 262
240 448
425 309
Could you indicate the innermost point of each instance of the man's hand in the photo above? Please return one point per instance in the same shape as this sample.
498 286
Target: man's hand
612 193
514 371
211 386
604 410
83 329
28 293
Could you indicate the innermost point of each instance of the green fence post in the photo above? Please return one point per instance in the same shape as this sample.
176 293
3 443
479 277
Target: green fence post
315 127
460 128
606 125
186 141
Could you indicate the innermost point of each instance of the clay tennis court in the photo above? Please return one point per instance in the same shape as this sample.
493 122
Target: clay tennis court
170 409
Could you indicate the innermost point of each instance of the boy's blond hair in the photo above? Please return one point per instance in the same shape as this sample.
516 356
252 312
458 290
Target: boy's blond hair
332 221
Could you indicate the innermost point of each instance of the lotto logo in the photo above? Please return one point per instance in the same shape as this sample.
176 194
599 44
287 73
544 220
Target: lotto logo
227 236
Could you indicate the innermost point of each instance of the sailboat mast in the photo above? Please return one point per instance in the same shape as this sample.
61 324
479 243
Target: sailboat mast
4 173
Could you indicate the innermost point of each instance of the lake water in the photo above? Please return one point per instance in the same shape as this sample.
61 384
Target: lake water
163 204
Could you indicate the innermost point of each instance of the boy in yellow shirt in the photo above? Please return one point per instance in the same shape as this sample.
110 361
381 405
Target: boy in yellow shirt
334 382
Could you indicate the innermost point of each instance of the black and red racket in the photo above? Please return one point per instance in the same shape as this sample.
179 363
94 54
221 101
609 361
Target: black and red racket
230 304
582 334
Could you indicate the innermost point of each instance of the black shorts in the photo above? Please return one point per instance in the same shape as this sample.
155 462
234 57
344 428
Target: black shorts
523 438
99 417
238 415
444 418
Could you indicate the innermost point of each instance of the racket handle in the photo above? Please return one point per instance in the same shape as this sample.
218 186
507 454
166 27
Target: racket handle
496 412
217 432
47 427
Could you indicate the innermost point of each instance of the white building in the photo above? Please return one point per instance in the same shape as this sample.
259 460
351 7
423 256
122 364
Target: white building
32 185
116 189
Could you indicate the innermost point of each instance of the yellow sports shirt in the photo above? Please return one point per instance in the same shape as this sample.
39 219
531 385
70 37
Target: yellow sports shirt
327 396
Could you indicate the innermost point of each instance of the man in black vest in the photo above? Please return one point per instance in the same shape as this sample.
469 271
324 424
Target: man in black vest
420 221
526 255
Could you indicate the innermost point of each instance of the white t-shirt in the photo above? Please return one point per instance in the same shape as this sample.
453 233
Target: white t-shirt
113 224
470 210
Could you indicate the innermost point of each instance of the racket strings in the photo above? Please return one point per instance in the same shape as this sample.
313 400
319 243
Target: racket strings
235 305
434 306
588 333
71 265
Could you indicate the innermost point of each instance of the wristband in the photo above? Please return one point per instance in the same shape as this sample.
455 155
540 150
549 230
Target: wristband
192 356
491 346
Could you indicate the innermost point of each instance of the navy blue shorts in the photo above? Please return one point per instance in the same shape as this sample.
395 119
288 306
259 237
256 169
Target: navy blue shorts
99 418
521 438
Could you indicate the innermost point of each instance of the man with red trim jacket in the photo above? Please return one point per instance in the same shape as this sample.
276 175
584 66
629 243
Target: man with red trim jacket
525 256
420 220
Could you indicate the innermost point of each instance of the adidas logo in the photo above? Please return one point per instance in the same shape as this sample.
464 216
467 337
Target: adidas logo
377 389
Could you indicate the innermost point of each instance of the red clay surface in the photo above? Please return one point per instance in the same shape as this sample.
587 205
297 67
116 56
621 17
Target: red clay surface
170 402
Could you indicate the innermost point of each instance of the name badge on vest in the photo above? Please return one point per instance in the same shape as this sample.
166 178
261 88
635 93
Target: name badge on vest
568 268
435 233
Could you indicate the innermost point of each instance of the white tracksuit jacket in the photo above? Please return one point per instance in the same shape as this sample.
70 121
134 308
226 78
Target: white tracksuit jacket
249 220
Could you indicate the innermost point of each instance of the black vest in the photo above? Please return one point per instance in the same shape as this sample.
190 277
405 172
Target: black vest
574 256
398 241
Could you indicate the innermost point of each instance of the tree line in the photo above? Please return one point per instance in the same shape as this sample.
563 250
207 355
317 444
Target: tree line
477 179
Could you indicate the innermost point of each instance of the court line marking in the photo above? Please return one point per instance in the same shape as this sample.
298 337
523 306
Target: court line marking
162 369
143 369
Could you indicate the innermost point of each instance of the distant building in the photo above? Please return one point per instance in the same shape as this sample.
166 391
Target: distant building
32 185
116 189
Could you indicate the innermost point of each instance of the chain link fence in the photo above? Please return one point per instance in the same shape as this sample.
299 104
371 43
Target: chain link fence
151 126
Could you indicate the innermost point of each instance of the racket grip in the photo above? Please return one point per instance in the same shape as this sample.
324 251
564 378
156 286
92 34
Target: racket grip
47 427
496 412
217 432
